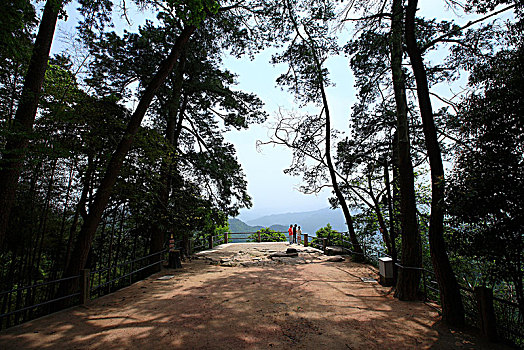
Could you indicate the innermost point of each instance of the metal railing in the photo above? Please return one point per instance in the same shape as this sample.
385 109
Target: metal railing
22 304
13 314
247 237
116 273
509 319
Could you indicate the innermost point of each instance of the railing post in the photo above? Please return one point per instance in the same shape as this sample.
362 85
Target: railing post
226 237
210 241
259 238
324 244
84 286
425 287
174 259
488 325
306 243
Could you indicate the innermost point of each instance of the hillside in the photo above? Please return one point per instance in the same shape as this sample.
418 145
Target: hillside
279 228
236 226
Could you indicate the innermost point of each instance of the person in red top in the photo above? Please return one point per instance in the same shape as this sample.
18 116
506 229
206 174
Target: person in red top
290 231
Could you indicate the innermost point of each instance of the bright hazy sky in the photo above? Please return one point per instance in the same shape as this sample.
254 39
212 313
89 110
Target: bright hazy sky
272 191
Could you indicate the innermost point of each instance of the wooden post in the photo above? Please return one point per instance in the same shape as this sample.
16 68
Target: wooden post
210 241
171 242
174 259
226 237
306 243
191 246
259 239
324 244
486 311
84 286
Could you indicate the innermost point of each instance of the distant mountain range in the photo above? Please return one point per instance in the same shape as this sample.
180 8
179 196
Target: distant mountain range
236 226
310 221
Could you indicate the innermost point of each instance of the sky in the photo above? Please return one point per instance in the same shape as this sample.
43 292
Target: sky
274 192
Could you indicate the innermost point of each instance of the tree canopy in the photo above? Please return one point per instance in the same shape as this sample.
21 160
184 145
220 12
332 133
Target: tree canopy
110 150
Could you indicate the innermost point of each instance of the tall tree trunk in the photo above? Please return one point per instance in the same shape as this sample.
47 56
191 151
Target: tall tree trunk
380 218
450 298
392 231
329 162
110 253
24 262
16 146
119 241
64 212
80 209
59 250
173 108
133 253
96 209
409 276
42 229
395 201
332 174
8 284
100 259
43 224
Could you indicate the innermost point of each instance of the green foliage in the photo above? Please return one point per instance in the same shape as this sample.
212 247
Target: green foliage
267 235
221 231
485 199
310 42
17 23
324 232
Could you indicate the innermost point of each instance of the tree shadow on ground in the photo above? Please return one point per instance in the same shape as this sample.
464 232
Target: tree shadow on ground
312 306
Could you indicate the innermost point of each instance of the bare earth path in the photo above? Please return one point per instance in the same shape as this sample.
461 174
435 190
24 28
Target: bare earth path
257 303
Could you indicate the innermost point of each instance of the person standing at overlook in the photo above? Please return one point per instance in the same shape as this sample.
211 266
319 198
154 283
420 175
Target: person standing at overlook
299 235
295 233
290 231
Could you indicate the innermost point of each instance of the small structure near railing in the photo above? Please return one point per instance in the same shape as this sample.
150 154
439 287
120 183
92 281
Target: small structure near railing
486 312
385 269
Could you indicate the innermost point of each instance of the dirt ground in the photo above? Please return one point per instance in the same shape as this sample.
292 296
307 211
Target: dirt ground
238 298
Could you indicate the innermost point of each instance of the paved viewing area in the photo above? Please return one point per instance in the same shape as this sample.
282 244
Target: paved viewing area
248 296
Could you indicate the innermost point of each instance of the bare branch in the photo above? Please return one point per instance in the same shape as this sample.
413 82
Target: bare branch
365 18
456 31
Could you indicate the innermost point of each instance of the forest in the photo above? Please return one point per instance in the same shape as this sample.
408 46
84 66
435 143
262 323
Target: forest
114 144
